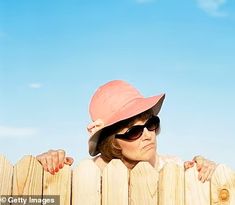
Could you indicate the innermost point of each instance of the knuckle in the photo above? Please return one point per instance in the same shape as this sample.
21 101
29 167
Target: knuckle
207 166
61 151
54 153
49 158
50 151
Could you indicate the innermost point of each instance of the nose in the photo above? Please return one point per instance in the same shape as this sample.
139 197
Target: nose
146 135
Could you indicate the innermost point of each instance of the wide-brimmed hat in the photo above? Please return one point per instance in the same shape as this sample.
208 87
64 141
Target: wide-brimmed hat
113 102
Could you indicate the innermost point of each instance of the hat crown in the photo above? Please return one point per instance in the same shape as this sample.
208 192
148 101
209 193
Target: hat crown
110 98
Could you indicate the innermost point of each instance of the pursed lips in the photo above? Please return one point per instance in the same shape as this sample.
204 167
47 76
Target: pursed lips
149 146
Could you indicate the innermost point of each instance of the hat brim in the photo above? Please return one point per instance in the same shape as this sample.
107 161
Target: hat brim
132 109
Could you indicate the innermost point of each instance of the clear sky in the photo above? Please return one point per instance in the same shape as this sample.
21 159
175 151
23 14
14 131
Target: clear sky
54 54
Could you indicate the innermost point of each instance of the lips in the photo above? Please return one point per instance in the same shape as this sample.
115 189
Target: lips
149 146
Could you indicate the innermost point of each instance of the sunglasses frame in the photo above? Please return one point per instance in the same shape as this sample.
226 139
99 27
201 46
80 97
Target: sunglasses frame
125 136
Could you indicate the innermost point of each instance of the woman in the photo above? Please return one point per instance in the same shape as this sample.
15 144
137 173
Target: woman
124 126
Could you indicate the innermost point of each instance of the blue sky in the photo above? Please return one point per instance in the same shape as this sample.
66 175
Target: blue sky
54 54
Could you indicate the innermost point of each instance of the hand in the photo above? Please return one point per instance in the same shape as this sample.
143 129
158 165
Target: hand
205 167
54 160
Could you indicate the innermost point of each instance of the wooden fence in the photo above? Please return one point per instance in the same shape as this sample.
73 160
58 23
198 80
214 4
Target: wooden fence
86 185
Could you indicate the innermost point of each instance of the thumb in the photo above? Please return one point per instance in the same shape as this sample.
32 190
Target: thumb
68 160
199 161
188 164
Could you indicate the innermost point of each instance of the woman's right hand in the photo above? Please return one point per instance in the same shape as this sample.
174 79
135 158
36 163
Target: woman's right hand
54 160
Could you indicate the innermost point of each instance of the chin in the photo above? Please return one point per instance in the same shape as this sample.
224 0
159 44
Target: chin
148 155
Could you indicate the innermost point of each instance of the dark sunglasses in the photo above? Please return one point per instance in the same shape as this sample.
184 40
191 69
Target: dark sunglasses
136 131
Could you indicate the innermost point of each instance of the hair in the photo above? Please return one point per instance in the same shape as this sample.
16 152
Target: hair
108 146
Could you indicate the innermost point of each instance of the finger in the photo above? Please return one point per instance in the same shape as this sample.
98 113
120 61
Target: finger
44 163
55 160
200 164
61 155
201 173
188 164
205 175
199 167
68 161
50 164
42 160
198 159
39 158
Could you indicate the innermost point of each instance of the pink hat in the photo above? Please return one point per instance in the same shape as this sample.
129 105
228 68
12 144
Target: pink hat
116 101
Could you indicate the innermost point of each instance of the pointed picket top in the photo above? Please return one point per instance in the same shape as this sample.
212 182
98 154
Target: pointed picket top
27 176
4 160
143 184
58 184
223 186
196 192
6 172
171 185
115 183
86 183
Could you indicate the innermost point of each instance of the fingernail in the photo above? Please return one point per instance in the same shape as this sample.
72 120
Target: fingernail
56 169
61 166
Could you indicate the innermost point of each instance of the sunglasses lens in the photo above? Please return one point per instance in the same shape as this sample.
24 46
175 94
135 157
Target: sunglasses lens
153 123
134 133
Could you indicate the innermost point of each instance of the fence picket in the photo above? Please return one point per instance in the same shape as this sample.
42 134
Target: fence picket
143 184
196 192
86 184
27 177
223 186
6 173
171 185
58 184
115 183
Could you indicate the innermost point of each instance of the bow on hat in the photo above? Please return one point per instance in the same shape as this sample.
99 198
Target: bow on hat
95 126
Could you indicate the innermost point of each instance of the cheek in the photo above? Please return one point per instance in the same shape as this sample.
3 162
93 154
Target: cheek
133 150
129 148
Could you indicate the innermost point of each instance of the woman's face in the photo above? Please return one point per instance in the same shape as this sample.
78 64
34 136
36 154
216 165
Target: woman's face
141 149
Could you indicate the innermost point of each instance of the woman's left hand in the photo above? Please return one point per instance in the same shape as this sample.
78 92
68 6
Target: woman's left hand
205 167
